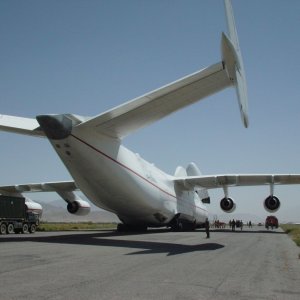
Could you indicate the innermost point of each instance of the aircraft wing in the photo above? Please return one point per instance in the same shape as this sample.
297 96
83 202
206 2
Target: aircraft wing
61 186
140 112
223 181
65 189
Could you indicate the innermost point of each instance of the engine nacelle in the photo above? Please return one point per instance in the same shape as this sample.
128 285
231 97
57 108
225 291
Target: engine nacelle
271 204
227 205
79 208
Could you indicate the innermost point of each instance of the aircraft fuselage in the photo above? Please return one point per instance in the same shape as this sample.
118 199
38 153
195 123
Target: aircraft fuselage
118 180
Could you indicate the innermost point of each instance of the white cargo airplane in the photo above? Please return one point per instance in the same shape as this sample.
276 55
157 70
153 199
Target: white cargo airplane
120 181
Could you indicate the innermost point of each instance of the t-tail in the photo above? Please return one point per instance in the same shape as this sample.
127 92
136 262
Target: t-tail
124 119
232 57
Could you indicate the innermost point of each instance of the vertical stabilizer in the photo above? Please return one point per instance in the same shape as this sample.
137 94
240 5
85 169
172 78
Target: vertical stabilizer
234 63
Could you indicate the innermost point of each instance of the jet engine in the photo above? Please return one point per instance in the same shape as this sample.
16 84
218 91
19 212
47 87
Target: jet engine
79 208
227 204
271 204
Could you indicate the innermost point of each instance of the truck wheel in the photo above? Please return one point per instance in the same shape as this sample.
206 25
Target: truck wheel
32 228
3 228
25 228
10 228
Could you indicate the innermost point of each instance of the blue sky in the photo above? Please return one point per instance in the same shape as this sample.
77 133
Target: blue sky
84 57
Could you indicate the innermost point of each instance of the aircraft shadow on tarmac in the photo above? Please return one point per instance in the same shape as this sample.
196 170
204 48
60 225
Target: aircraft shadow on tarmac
105 239
110 239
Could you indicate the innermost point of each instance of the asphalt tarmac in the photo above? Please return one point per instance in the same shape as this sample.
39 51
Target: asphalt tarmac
253 264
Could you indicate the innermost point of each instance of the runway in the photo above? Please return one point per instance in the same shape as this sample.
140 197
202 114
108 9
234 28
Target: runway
253 264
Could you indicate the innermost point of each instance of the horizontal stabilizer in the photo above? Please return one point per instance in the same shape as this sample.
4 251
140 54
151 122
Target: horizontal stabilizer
20 125
127 118
140 112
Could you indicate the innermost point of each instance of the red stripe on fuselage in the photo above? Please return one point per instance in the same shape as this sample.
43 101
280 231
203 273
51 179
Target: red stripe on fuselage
129 169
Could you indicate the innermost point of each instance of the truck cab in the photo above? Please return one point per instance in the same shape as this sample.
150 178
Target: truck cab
271 221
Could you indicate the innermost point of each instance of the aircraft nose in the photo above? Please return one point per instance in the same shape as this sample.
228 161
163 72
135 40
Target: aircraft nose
56 127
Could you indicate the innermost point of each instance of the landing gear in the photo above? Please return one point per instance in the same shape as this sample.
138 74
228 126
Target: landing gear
177 225
121 227
181 225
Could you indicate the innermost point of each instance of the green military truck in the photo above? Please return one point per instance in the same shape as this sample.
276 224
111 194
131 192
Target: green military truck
14 216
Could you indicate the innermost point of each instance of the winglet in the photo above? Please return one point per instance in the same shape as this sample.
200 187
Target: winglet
233 61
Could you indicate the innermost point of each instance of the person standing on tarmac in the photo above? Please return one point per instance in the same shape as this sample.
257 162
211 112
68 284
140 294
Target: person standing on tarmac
233 225
207 228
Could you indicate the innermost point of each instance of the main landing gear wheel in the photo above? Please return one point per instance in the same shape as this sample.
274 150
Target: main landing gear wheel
180 225
177 226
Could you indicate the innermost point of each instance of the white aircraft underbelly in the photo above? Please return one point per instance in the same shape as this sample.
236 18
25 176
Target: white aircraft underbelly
116 181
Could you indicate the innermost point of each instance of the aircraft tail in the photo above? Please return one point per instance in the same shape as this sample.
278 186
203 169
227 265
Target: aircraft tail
126 118
143 111
232 58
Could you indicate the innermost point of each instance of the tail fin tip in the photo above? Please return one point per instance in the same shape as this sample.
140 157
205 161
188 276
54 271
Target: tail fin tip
234 63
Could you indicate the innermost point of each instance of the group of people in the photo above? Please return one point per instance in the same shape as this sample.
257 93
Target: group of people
233 224
218 224
238 223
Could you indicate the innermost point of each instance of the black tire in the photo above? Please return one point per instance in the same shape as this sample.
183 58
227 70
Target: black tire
3 228
32 228
25 228
10 228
